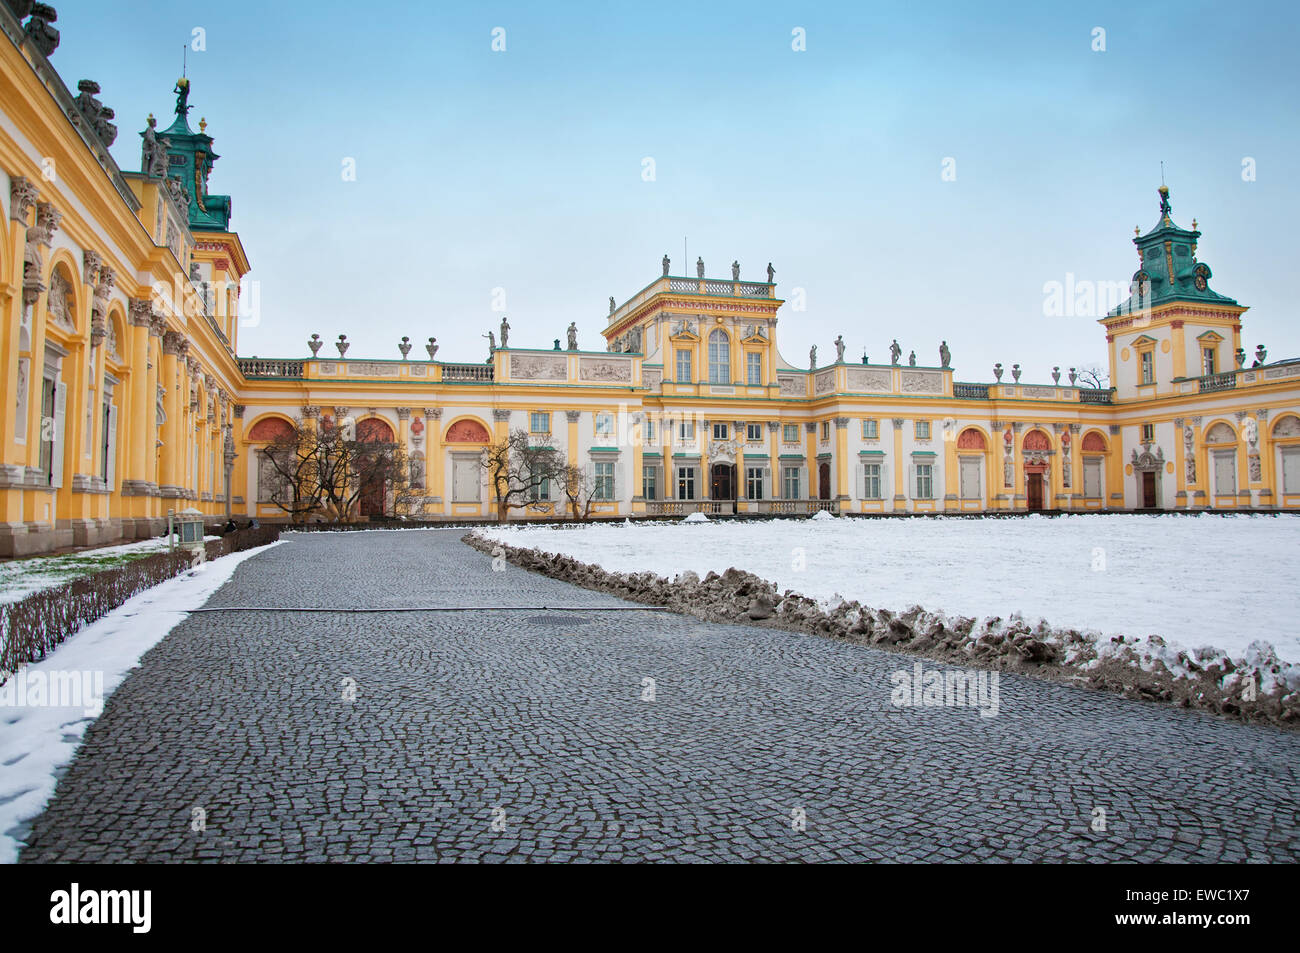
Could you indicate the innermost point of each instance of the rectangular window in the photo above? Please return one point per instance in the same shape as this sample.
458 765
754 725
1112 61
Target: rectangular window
754 483
1148 433
541 492
686 483
754 368
604 489
1148 367
826 430
604 424
650 483
754 433
719 431
790 483
871 481
1208 360
539 422
925 481
923 430
871 430
683 367
790 433
686 430
648 430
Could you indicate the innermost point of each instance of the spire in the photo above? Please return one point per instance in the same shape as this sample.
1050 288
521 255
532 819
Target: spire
181 153
1169 269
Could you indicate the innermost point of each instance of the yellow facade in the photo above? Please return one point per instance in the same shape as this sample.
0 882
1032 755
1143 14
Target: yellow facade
123 396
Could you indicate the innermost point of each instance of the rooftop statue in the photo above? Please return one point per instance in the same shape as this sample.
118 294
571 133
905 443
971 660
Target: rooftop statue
771 273
182 92
895 352
839 349
666 263
945 356
699 267
735 271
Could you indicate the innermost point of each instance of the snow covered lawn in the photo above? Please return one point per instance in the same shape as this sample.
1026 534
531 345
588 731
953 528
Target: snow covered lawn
1201 580
38 739
22 577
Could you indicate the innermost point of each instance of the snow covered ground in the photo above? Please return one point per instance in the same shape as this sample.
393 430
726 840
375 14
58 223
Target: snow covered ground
22 577
1201 580
37 740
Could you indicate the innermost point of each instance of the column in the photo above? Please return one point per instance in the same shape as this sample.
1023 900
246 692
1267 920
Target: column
899 466
435 466
842 458
951 468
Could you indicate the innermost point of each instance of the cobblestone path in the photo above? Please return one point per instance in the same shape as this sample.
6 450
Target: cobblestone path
530 735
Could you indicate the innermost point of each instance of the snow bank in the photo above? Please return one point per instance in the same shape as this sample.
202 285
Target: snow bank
1226 581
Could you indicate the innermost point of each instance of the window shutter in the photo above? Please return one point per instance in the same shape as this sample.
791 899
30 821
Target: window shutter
112 448
60 413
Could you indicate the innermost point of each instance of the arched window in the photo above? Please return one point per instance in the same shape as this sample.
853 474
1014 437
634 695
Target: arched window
719 358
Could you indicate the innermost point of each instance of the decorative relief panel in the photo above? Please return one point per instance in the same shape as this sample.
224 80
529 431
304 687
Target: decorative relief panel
604 369
874 381
1038 391
791 386
367 369
922 382
538 367
652 380
824 382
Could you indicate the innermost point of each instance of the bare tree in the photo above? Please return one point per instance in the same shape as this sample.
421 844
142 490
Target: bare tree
517 469
579 489
1091 375
325 470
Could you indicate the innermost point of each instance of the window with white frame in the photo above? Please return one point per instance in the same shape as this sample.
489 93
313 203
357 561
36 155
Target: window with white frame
754 483
719 431
754 368
1207 361
648 430
924 481
604 424
871 429
1148 433
790 433
683 366
604 488
540 492
1148 370
686 430
826 430
719 357
686 483
754 432
539 422
650 483
922 430
790 482
871 481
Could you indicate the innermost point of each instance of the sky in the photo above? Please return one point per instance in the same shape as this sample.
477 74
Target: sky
916 171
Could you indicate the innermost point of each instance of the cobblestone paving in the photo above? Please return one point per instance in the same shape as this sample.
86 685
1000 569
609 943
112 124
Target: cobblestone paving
512 736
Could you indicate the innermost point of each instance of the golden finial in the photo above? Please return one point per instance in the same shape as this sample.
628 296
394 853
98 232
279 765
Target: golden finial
1193 224
1137 230
203 125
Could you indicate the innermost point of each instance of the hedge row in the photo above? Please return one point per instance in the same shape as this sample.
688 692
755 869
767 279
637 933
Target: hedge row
31 627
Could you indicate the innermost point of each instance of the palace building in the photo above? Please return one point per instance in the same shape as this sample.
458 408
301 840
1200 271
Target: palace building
124 396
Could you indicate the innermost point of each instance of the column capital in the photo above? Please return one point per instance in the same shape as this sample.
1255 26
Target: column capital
841 423
403 413
573 416
309 412
500 415
239 411
140 310
434 413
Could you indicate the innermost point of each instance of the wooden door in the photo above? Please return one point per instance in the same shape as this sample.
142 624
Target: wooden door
824 481
1034 490
1149 489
